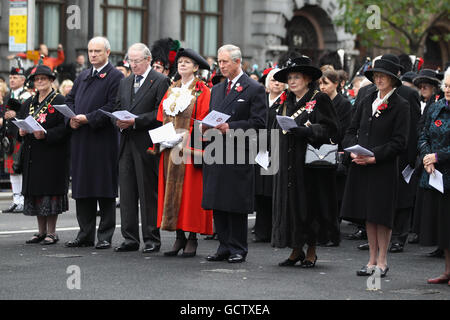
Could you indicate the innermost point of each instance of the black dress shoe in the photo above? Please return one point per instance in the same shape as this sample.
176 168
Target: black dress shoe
290 263
260 240
383 272
236 258
77 243
10 209
438 253
150 248
396 247
364 246
366 271
103 245
36 238
217 257
306 264
358 235
126 247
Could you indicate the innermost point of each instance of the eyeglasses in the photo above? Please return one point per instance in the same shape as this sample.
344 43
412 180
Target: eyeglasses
131 61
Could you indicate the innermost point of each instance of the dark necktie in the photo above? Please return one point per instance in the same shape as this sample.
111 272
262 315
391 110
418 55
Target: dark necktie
95 73
229 87
137 83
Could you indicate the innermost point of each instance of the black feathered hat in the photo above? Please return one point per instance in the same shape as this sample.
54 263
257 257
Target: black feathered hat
302 65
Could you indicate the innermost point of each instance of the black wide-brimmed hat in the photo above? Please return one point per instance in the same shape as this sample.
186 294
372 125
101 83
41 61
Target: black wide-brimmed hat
301 64
17 72
202 63
427 76
387 64
42 70
409 76
263 78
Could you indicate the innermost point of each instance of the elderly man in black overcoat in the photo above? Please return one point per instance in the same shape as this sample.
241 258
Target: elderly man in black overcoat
95 147
228 189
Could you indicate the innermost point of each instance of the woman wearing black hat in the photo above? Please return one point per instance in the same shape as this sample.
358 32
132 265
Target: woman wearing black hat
180 185
428 84
380 124
432 205
45 158
294 219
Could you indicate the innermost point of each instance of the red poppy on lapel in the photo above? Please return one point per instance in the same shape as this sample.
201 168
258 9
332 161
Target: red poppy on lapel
310 106
239 89
436 98
42 118
103 75
438 123
50 109
382 107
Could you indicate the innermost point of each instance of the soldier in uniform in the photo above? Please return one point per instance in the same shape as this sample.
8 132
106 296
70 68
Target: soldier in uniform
10 145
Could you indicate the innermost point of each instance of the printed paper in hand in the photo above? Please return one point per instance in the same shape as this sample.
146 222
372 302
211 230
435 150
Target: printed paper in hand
65 110
165 133
263 159
407 173
29 125
215 118
122 115
286 123
360 151
436 181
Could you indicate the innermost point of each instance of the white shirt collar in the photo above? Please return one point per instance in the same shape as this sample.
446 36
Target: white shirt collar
271 102
233 82
17 92
144 76
100 69
378 101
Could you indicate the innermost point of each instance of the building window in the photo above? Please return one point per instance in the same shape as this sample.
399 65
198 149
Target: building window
48 17
202 25
124 23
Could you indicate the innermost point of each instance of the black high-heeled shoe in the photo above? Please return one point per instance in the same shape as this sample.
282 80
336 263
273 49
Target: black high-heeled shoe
308 264
290 263
191 253
181 245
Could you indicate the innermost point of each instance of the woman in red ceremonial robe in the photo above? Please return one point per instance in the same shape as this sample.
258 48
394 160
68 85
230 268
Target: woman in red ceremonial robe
180 185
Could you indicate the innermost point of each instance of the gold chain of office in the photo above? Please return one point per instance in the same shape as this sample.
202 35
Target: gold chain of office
43 109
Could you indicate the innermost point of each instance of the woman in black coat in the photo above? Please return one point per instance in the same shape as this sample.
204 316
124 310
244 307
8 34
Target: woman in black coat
381 125
45 158
264 183
332 192
294 220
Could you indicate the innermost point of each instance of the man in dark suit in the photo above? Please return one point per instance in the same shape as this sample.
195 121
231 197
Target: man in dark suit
94 147
228 188
140 94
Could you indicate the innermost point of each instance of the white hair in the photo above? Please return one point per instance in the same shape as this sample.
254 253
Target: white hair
446 75
270 76
235 52
102 40
142 48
